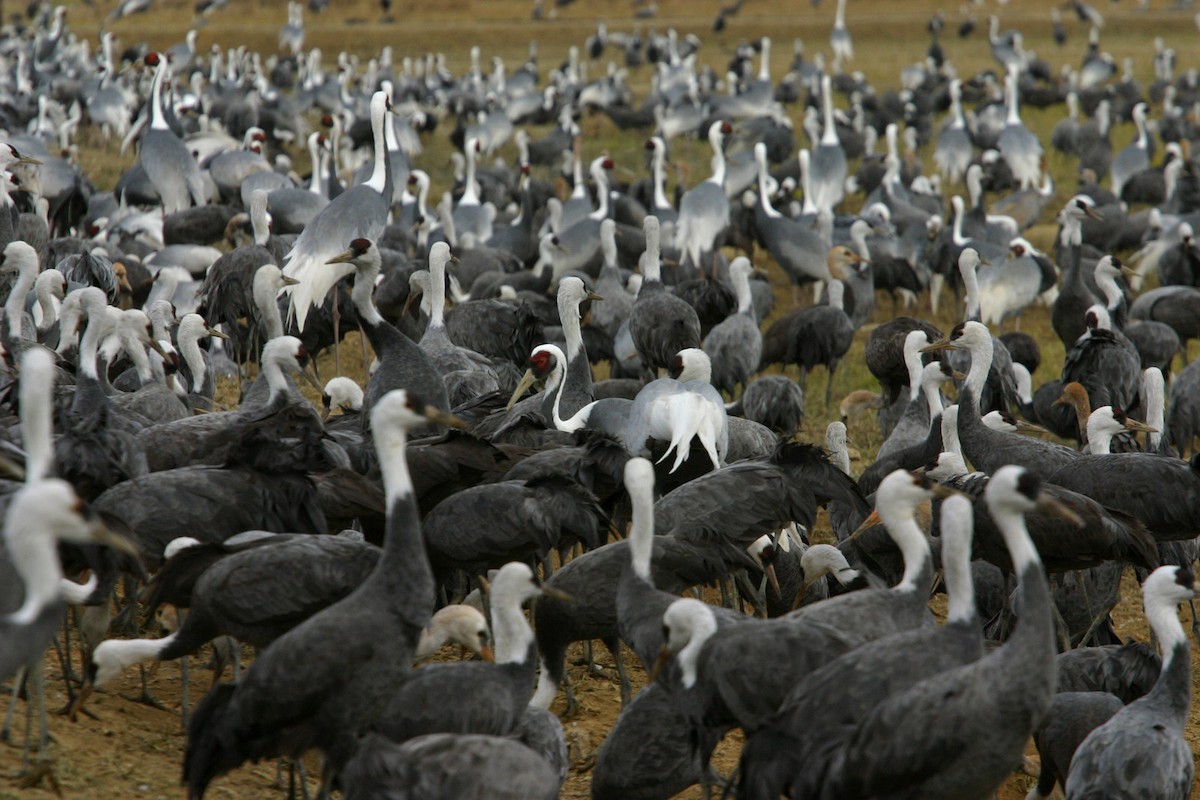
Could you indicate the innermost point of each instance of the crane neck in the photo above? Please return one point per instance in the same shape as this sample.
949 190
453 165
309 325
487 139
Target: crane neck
437 293
137 354
379 173
1142 140
1153 401
114 656
764 197
912 361
660 195
652 260
363 293
745 300
157 121
14 306
568 315
268 309
957 527
1099 437
1016 537
933 396
509 626
950 443
34 554
957 230
641 532
601 177
971 284
277 383
189 348
1014 113
902 525
958 121
36 386
981 363
704 625
829 136
93 335
718 160
469 196
1109 288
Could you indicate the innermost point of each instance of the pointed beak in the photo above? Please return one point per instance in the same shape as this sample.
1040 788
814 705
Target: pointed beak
773 579
158 348
102 534
870 522
527 380
660 663
1029 427
1137 425
1091 212
342 258
289 281
487 653
1129 272
594 297
216 333
944 344
803 591
310 380
85 691
556 594
958 376
444 418
408 303
1052 506
941 492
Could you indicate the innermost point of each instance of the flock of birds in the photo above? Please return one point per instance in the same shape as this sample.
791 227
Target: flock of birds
348 543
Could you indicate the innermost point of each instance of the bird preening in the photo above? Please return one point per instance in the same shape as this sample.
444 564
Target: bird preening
447 418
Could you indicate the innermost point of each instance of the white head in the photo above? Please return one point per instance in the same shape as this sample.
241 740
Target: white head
342 393
692 364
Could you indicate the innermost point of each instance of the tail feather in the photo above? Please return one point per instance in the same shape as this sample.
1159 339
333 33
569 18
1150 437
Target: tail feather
212 748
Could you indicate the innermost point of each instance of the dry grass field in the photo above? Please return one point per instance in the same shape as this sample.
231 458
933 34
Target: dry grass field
129 750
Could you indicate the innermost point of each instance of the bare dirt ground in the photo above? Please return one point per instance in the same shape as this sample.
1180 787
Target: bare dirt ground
127 749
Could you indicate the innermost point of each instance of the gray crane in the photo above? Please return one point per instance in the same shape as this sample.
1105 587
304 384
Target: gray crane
1141 751
321 682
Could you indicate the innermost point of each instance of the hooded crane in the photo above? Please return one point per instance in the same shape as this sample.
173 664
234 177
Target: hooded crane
987 449
402 364
829 701
475 696
42 513
1141 751
321 682
704 209
957 735
660 323
735 344
166 159
617 585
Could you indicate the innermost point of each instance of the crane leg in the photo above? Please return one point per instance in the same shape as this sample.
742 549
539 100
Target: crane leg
614 647
829 386
337 324
184 709
1195 622
6 729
